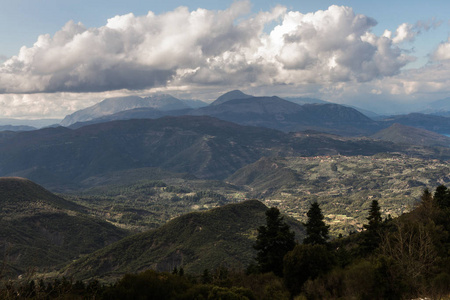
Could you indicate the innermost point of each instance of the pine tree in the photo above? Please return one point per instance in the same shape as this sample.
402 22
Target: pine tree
273 242
374 217
442 197
316 229
371 236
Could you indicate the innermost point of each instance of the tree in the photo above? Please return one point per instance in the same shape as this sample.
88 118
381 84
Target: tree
273 242
374 217
316 229
371 237
410 247
427 206
442 197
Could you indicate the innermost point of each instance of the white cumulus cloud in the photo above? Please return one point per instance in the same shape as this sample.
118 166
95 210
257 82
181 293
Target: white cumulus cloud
405 32
207 48
443 51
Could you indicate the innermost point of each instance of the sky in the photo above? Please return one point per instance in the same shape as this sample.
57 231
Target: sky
57 57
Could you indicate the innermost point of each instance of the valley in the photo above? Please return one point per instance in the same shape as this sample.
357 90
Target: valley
343 185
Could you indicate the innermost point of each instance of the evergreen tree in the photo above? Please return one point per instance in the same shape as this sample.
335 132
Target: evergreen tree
273 242
374 217
442 197
371 237
316 229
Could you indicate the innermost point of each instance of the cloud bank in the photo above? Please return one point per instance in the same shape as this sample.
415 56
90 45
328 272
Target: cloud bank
208 48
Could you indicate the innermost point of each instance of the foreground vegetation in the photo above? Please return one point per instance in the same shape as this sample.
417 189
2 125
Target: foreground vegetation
401 258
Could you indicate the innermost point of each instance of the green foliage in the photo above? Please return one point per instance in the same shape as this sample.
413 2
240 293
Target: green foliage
411 259
374 217
274 240
442 197
148 285
316 229
372 233
305 262
58 288
153 285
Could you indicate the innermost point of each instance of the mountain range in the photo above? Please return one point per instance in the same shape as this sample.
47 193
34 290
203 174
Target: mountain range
235 106
202 146
297 114
288 114
277 113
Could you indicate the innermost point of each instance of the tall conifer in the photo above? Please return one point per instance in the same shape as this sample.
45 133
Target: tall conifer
371 236
273 242
316 229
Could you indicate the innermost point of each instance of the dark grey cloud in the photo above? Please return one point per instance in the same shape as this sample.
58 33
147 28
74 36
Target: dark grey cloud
98 78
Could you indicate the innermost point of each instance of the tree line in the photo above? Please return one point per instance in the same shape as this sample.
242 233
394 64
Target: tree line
402 258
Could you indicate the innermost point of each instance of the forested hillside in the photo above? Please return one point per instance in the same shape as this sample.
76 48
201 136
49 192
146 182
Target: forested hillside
40 232
194 241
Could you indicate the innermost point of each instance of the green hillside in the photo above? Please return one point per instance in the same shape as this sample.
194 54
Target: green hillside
40 231
22 196
195 241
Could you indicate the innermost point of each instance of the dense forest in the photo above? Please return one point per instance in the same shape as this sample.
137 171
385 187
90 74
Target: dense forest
401 258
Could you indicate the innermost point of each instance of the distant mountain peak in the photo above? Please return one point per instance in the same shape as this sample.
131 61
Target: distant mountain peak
231 95
109 106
